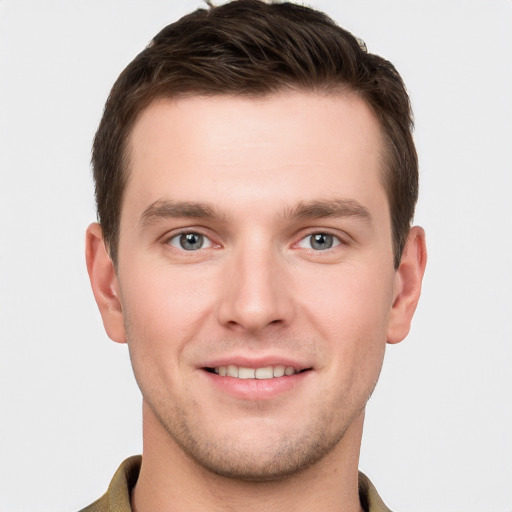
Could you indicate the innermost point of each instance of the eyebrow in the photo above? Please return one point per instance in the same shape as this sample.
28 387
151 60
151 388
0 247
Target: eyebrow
163 209
337 208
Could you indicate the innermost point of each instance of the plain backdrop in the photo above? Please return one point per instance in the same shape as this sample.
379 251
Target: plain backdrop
439 427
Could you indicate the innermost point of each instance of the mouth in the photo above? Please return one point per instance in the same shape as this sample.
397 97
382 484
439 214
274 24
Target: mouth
256 381
262 373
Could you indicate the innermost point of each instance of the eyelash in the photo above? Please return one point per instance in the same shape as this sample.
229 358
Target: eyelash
177 238
176 241
336 240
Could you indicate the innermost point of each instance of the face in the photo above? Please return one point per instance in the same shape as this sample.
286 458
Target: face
255 278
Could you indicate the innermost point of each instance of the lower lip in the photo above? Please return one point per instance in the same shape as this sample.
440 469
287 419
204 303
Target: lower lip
256 389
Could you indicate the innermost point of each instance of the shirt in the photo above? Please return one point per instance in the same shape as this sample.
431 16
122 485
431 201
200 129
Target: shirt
117 497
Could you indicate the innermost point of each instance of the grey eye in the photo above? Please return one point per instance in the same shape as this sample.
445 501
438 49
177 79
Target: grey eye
319 241
190 241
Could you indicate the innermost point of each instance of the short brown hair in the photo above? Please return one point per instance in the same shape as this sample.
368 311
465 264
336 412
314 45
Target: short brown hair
253 48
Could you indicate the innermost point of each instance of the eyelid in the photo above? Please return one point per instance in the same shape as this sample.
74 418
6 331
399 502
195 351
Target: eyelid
174 241
337 240
175 234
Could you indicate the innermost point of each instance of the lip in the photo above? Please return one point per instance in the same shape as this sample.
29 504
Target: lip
255 389
256 362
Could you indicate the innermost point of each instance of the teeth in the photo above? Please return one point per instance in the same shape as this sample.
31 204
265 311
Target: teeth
267 372
231 371
264 373
246 373
279 371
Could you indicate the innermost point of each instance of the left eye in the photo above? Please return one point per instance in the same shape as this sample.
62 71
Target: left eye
319 241
190 241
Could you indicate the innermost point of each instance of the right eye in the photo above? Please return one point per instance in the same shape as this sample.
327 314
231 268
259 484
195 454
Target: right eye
190 241
319 241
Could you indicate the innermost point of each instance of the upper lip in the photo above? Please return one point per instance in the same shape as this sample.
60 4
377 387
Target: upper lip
256 362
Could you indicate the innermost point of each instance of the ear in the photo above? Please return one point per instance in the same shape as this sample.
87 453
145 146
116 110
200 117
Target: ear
407 289
104 282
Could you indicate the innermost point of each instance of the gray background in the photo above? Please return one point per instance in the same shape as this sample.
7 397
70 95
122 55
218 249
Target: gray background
438 429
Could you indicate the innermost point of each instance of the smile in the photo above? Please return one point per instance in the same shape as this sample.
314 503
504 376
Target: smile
266 372
256 381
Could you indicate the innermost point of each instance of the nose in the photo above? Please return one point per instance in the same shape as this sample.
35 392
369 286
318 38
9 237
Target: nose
256 294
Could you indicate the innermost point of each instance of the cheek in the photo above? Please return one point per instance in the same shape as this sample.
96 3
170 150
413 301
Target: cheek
166 297
163 310
350 307
348 298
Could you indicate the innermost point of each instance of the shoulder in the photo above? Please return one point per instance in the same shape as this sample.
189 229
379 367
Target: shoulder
370 499
117 497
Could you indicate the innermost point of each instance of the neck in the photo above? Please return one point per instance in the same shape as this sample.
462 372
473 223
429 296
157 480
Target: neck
170 481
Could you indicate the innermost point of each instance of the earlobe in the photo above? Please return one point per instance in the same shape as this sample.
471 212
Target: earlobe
408 279
104 282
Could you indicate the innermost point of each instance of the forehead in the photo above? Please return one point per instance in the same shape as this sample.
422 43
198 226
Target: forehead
208 148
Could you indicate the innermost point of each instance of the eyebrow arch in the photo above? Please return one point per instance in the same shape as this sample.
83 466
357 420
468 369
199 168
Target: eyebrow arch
337 208
331 208
163 209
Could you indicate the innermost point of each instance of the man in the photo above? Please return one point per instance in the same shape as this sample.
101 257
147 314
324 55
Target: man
255 180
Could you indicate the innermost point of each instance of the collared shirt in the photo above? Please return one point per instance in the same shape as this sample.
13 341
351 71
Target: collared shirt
117 498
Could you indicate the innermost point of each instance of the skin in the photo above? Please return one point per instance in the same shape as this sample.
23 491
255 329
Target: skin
256 178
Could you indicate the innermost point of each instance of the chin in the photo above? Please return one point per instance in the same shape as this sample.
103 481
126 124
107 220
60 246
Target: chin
264 465
248 456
